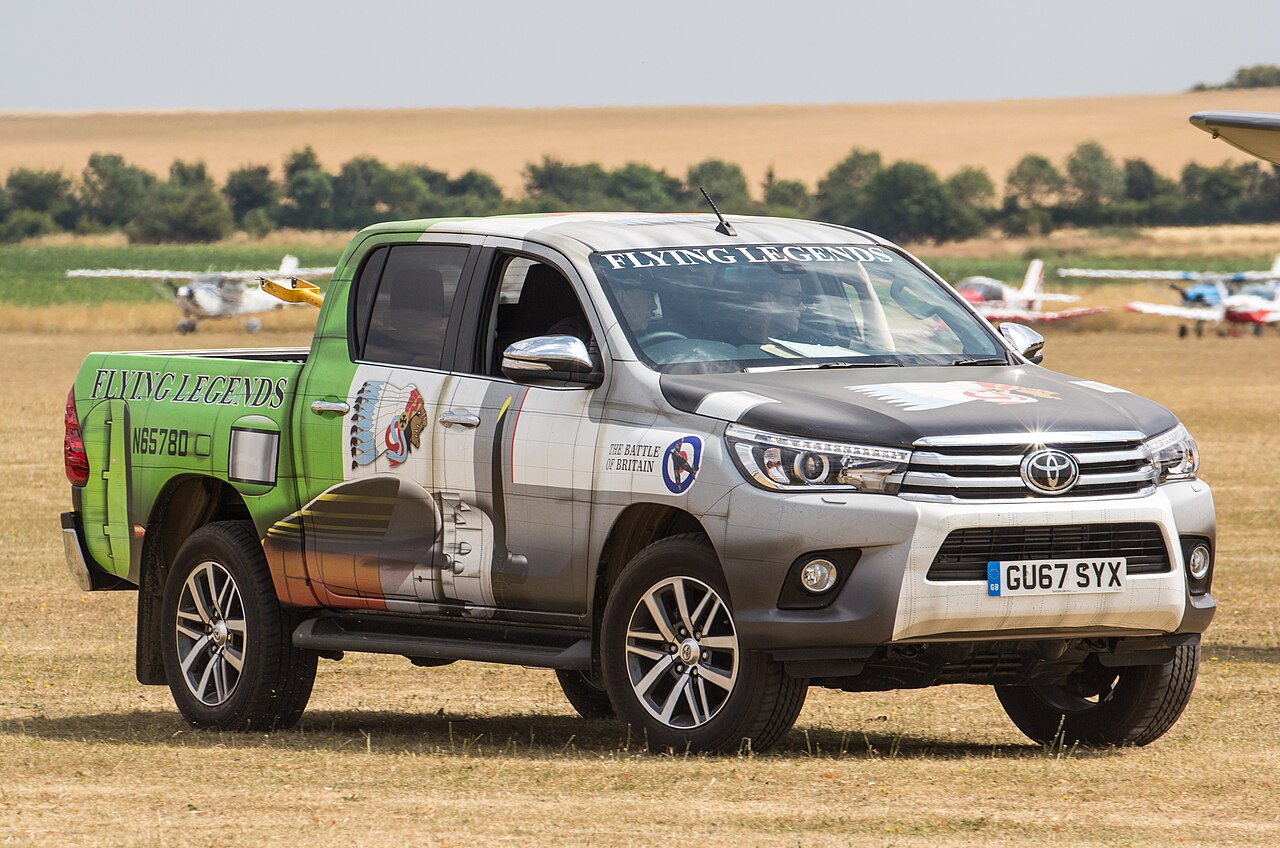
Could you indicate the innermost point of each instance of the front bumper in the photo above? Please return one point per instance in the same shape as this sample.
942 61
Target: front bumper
889 599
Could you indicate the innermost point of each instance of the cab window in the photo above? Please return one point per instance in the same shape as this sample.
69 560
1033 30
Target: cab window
532 298
407 295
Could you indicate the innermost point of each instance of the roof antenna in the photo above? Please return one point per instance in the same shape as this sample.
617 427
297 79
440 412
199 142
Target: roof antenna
724 226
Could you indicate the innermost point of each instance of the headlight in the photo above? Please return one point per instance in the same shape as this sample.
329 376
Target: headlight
1174 455
788 463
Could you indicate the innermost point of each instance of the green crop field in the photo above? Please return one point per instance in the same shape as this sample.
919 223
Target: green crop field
36 275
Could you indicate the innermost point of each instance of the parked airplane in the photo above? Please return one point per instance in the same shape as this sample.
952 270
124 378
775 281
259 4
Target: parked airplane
212 294
997 301
1243 297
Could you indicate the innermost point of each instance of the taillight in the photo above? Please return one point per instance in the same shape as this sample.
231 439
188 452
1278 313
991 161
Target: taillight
73 452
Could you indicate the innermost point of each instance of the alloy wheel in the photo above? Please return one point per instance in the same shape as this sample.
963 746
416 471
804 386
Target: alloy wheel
211 634
682 652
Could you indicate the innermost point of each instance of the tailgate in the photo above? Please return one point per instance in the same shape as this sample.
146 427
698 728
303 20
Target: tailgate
151 418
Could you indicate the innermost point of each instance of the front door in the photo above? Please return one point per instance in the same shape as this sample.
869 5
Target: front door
515 462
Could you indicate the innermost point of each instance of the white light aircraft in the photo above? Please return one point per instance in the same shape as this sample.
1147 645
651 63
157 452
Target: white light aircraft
997 301
1246 298
212 294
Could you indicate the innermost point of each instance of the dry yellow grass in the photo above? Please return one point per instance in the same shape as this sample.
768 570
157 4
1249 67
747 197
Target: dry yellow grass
390 755
799 142
152 319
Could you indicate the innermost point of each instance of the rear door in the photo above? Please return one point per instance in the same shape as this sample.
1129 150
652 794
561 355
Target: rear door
372 537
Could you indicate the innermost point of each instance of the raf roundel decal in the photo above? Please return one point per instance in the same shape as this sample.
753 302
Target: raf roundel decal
680 463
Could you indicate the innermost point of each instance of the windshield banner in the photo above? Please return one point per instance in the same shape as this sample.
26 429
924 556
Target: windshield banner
747 254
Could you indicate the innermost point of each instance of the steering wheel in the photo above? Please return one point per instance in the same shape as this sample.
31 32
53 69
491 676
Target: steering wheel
659 336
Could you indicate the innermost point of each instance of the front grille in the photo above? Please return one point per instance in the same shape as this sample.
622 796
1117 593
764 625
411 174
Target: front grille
965 553
943 470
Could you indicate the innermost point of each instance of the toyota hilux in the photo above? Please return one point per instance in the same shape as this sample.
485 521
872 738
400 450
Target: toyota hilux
694 465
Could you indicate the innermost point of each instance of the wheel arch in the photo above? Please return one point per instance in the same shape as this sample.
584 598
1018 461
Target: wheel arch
635 528
185 504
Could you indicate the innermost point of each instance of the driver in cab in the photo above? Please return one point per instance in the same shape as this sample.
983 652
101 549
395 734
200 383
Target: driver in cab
768 309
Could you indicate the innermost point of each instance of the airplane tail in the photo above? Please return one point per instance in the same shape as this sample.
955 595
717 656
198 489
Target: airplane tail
1032 284
1275 266
289 265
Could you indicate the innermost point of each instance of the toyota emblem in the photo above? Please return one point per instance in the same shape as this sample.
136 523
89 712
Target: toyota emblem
1050 471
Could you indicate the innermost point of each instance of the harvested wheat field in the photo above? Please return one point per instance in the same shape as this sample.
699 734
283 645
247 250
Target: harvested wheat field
392 755
798 142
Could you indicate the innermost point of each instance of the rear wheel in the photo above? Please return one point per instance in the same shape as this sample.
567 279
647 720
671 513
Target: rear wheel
673 664
227 645
1100 706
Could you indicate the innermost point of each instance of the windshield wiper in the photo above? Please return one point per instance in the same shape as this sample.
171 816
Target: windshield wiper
816 366
988 361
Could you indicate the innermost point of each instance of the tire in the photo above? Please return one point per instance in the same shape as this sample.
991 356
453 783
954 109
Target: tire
1135 705
220 611
586 693
681 679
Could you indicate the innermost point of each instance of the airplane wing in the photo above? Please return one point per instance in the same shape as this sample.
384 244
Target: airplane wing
288 267
1256 133
1170 276
133 274
1030 316
1107 274
305 273
1187 313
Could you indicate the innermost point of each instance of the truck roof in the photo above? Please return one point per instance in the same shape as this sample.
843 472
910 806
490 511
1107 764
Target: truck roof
630 230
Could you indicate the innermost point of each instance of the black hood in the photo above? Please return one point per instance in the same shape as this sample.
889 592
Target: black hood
896 406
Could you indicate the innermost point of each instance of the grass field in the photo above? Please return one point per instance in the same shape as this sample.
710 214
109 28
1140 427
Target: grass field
35 274
798 142
389 755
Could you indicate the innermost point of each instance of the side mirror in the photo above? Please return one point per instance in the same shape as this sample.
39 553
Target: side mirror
551 361
1024 340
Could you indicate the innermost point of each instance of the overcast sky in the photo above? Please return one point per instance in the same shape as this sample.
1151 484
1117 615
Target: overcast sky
320 54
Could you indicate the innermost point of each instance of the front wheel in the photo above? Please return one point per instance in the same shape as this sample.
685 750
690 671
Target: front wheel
227 645
673 664
585 692
1135 705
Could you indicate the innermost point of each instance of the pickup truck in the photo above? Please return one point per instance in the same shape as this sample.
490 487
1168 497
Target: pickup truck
694 465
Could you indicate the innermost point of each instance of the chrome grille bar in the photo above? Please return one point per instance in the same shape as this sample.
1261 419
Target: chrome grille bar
988 468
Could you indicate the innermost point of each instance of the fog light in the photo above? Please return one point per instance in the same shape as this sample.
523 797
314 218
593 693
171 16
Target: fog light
1198 562
818 575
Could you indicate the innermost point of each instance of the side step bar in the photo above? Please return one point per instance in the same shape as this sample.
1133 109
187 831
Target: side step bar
537 648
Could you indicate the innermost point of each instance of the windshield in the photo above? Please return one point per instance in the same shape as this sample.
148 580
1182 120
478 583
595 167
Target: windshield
717 308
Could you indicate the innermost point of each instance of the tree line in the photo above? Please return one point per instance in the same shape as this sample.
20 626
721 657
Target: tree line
902 200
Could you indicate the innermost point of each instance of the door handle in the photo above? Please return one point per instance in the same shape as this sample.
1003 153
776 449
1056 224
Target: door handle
460 417
320 407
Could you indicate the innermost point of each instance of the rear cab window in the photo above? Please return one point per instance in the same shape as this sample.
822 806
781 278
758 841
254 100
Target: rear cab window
404 299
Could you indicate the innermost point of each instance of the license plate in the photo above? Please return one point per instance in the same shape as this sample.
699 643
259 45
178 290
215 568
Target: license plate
1055 577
